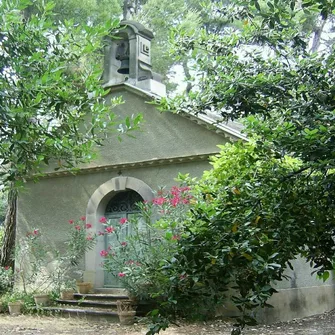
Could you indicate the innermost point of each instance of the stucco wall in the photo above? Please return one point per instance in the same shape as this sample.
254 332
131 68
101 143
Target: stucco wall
162 135
51 202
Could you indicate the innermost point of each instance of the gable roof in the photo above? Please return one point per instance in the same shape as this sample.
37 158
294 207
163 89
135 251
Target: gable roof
230 129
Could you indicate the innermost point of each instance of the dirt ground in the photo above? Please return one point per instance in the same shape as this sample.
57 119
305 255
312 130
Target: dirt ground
323 324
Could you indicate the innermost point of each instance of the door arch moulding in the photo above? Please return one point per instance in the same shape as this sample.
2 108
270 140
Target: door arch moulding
96 209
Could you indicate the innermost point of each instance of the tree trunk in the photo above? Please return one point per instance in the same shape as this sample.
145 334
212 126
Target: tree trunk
317 35
8 242
187 75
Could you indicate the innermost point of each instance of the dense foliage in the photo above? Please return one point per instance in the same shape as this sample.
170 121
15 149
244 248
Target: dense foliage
270 200
52 106
48 91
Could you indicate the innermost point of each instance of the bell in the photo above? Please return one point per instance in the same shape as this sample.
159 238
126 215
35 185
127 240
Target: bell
124 68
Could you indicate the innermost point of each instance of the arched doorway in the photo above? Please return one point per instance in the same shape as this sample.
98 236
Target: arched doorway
121 205
96 208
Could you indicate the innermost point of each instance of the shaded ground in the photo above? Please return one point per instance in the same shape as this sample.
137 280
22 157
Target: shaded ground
44 325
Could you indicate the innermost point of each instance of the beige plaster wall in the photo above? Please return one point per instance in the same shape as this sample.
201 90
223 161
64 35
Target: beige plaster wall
51 202
300 296
162 135
299 302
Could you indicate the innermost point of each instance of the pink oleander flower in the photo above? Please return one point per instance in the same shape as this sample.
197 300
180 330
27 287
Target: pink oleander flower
175 237
7 267
174 201
109 229
103 253
88 225
158 201
123 221
89 238
35 232
124 244
103 220
121 274
175 190
185 188
101 233
83 218
77 227
71 221
130 262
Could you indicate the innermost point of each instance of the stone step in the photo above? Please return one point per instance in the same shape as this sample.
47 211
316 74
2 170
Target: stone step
100 296
95 313
90 303
111 290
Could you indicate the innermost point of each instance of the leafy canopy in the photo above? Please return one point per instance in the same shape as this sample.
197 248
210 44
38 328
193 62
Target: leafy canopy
268 201
51 100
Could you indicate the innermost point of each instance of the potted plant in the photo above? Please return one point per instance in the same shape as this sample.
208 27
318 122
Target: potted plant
67 294
42 299
83 287
15 307
126 312
67 289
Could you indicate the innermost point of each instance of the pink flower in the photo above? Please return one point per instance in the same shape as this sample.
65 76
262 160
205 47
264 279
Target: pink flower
77 227
100 233
175 190
103 253
158 201
130 262
89 238
71 221
121 274
88 225
83 218
35 232
175 237
123 221
109 229
124 244
185 188
175 201
7 267
103 220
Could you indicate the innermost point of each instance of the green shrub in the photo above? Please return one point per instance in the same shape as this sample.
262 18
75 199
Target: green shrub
6 279
27 299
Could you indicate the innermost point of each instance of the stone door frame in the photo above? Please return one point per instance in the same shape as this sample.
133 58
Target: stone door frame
96 209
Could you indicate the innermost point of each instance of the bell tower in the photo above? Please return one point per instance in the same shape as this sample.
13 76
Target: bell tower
128 59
